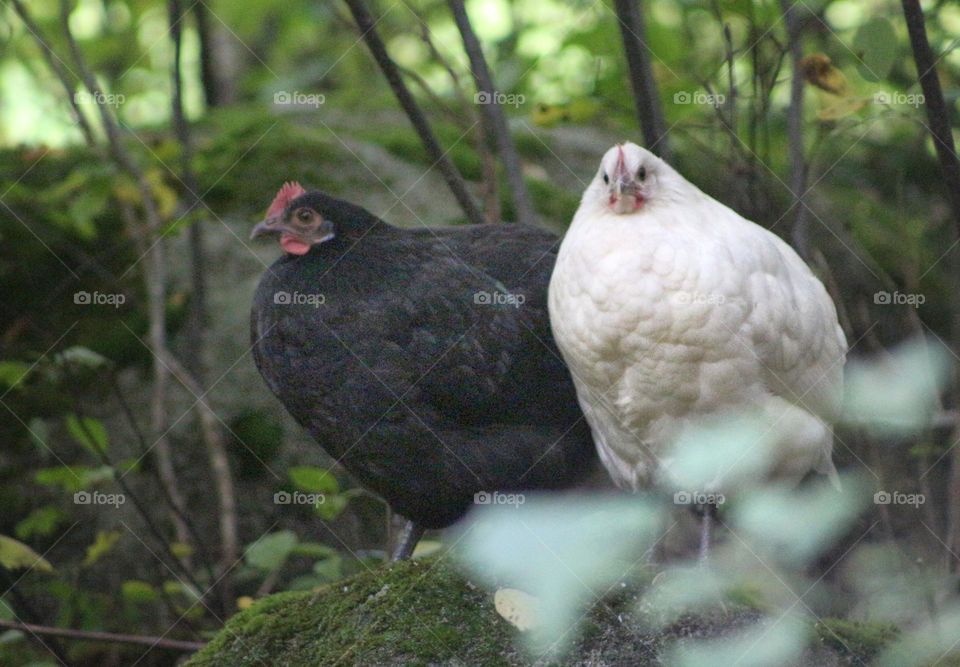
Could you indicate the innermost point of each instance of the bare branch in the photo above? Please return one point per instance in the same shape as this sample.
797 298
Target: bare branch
419 121
492 114
56 65
937 114
213 439
645 95
798 167
95 636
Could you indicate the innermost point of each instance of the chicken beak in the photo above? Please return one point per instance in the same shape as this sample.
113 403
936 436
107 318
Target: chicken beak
623 183
267 227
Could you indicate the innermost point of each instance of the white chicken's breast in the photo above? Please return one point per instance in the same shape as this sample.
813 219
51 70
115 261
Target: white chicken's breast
671 310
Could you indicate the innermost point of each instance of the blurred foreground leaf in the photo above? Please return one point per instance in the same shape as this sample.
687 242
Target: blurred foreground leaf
16 555
566 552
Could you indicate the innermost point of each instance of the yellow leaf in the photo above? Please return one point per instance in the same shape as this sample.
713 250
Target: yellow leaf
101 546
16 555
244 602
818 70
181 549
518 608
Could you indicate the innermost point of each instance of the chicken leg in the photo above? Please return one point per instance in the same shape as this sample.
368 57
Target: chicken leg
408 541
708 512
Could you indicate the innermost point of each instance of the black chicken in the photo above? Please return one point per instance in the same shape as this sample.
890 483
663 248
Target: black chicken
421 360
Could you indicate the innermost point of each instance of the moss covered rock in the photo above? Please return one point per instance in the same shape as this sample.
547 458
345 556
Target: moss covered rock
425 612
418 612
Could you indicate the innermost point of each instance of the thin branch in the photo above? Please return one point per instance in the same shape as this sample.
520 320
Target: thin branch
95 636
937 113
26 609
492 114
56 65
213 440
419 121
938 119
213 93
144 450
645 95
800 233
135 499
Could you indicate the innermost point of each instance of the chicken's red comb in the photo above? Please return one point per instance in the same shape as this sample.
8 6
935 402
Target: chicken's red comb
290 191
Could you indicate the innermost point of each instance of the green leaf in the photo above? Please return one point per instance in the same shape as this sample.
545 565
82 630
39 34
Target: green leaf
102 545
10 637
83 208
135 590
6 611
89 432
39 433
313 550
82 356
15 555
12 373
73 478
329 569
270 552
875 45
332 506
40 522
181 549
314 480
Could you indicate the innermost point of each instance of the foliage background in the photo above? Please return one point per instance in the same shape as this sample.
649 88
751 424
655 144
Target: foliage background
77 381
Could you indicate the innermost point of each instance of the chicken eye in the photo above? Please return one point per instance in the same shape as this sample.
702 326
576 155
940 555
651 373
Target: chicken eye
641 173
303 215
606 179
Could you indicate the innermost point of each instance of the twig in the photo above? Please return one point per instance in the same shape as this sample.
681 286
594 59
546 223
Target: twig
390 71
937 114
492 113
939 127
137 502
213 93
212 435
95 636
55 64
645 95
800 234
165 492
26 608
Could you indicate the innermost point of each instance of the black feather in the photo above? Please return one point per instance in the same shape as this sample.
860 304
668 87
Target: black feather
422 391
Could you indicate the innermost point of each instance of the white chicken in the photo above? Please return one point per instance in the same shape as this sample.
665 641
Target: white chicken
673 311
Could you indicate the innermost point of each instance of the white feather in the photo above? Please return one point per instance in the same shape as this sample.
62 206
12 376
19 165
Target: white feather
683 312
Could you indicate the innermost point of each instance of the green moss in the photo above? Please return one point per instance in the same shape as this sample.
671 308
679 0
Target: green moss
418 612
859 639
425 612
